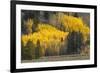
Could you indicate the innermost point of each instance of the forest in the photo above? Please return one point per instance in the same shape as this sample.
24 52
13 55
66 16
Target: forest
50 33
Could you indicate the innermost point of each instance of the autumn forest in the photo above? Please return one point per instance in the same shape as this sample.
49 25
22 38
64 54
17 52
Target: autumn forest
54 36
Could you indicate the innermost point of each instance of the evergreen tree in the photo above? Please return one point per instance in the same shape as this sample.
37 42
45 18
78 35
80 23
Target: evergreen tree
28 51
75 40
38 50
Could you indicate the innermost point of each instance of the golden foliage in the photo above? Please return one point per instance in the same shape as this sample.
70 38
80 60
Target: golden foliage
45 34
74 24
50 37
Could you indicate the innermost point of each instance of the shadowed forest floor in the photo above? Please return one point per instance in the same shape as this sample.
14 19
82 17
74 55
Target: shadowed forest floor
59 58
